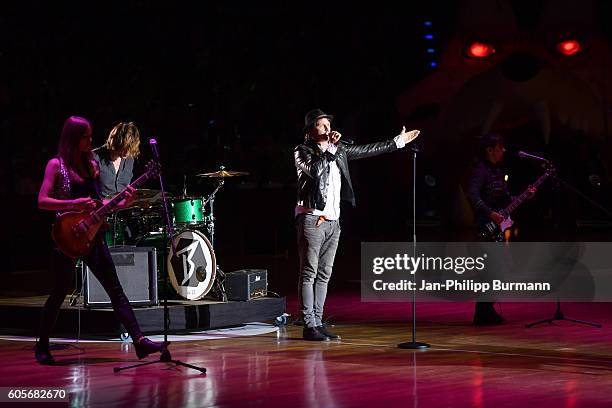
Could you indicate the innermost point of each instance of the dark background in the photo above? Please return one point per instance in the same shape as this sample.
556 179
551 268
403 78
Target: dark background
218 83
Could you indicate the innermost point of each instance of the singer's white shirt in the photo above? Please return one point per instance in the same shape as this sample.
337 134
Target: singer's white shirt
332 206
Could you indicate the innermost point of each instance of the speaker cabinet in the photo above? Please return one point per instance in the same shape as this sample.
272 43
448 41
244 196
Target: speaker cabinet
137 272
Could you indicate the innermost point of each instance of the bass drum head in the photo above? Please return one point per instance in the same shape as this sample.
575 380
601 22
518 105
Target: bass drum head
192 271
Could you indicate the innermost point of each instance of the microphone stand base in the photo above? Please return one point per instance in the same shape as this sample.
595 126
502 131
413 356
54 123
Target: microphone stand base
414 345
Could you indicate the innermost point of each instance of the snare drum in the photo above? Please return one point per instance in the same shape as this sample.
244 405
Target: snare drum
192 271
187 210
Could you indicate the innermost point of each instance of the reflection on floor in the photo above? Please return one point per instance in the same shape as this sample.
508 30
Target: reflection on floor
561 365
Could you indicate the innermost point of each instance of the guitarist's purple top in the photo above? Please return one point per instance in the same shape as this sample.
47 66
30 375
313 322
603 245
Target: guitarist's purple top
65 188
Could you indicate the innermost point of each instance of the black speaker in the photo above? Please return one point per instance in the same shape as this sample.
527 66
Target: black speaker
246 284
137 272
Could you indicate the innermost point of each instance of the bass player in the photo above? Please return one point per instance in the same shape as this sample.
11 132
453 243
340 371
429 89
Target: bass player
487 192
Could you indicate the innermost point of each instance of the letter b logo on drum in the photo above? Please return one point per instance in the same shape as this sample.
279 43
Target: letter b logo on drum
192 270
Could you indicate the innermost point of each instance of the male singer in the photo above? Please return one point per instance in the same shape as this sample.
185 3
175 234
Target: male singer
323 180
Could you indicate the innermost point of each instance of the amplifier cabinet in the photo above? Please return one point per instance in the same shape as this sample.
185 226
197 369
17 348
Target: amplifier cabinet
137 272
246 284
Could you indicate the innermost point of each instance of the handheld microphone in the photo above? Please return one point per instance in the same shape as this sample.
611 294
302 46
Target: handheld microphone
153 144
526 155
347 141
343 140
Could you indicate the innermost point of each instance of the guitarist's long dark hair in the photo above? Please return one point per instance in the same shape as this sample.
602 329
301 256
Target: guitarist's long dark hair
79 164
124 139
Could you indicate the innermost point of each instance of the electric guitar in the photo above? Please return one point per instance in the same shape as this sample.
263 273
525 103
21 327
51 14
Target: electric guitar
74 231
492 231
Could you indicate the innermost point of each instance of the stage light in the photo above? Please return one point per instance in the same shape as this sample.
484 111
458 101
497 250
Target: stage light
569 47
479 49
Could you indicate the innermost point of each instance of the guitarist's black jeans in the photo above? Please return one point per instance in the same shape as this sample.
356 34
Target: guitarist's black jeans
101 264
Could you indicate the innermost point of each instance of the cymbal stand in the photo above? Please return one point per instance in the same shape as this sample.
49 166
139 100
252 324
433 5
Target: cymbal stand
220 281
211 199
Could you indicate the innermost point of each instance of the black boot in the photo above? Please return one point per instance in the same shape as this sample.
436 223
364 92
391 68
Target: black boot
313 334
485 314
323 330
42 353
144 347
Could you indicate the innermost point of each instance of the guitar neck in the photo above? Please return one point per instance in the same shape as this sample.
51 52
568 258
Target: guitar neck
114 202
525 195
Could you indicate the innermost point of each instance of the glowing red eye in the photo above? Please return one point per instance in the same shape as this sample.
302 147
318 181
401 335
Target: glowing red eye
569 47
480 50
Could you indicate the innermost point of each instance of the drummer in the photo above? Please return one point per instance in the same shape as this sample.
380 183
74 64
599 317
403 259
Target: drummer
116 158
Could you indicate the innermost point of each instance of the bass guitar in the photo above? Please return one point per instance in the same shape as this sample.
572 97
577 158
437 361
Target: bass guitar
492 231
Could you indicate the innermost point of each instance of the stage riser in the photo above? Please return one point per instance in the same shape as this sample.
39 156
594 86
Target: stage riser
24 319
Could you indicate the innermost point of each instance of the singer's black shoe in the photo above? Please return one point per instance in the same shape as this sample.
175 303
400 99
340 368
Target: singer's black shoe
486 315
145 347
313 334
323 330
43 355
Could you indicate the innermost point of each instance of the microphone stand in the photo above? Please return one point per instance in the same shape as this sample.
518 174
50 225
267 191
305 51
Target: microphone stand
558 315
165 356
414 345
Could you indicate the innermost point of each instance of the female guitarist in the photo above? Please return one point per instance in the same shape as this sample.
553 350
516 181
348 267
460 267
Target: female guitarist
71 183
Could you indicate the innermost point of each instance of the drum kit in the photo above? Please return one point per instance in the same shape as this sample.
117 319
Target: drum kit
194 269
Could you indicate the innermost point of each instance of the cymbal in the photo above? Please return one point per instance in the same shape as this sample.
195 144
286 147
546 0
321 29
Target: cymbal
224 173
144 197
148 194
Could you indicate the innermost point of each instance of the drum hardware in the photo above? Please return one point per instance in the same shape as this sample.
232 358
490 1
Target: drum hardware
219 284
115 235
211 200
130 225
221 175
219 287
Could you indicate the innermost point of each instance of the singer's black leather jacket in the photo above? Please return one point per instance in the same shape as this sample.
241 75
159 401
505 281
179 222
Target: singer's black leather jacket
313 169
487 190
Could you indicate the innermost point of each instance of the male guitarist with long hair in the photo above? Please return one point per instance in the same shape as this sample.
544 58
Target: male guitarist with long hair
71 184
487 192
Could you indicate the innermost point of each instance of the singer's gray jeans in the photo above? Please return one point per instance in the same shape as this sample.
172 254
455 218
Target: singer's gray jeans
317 250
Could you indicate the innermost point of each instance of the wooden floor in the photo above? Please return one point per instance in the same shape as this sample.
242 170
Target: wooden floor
563 365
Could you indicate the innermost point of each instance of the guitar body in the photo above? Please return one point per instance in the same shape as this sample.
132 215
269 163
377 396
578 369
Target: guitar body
74 232
493 232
